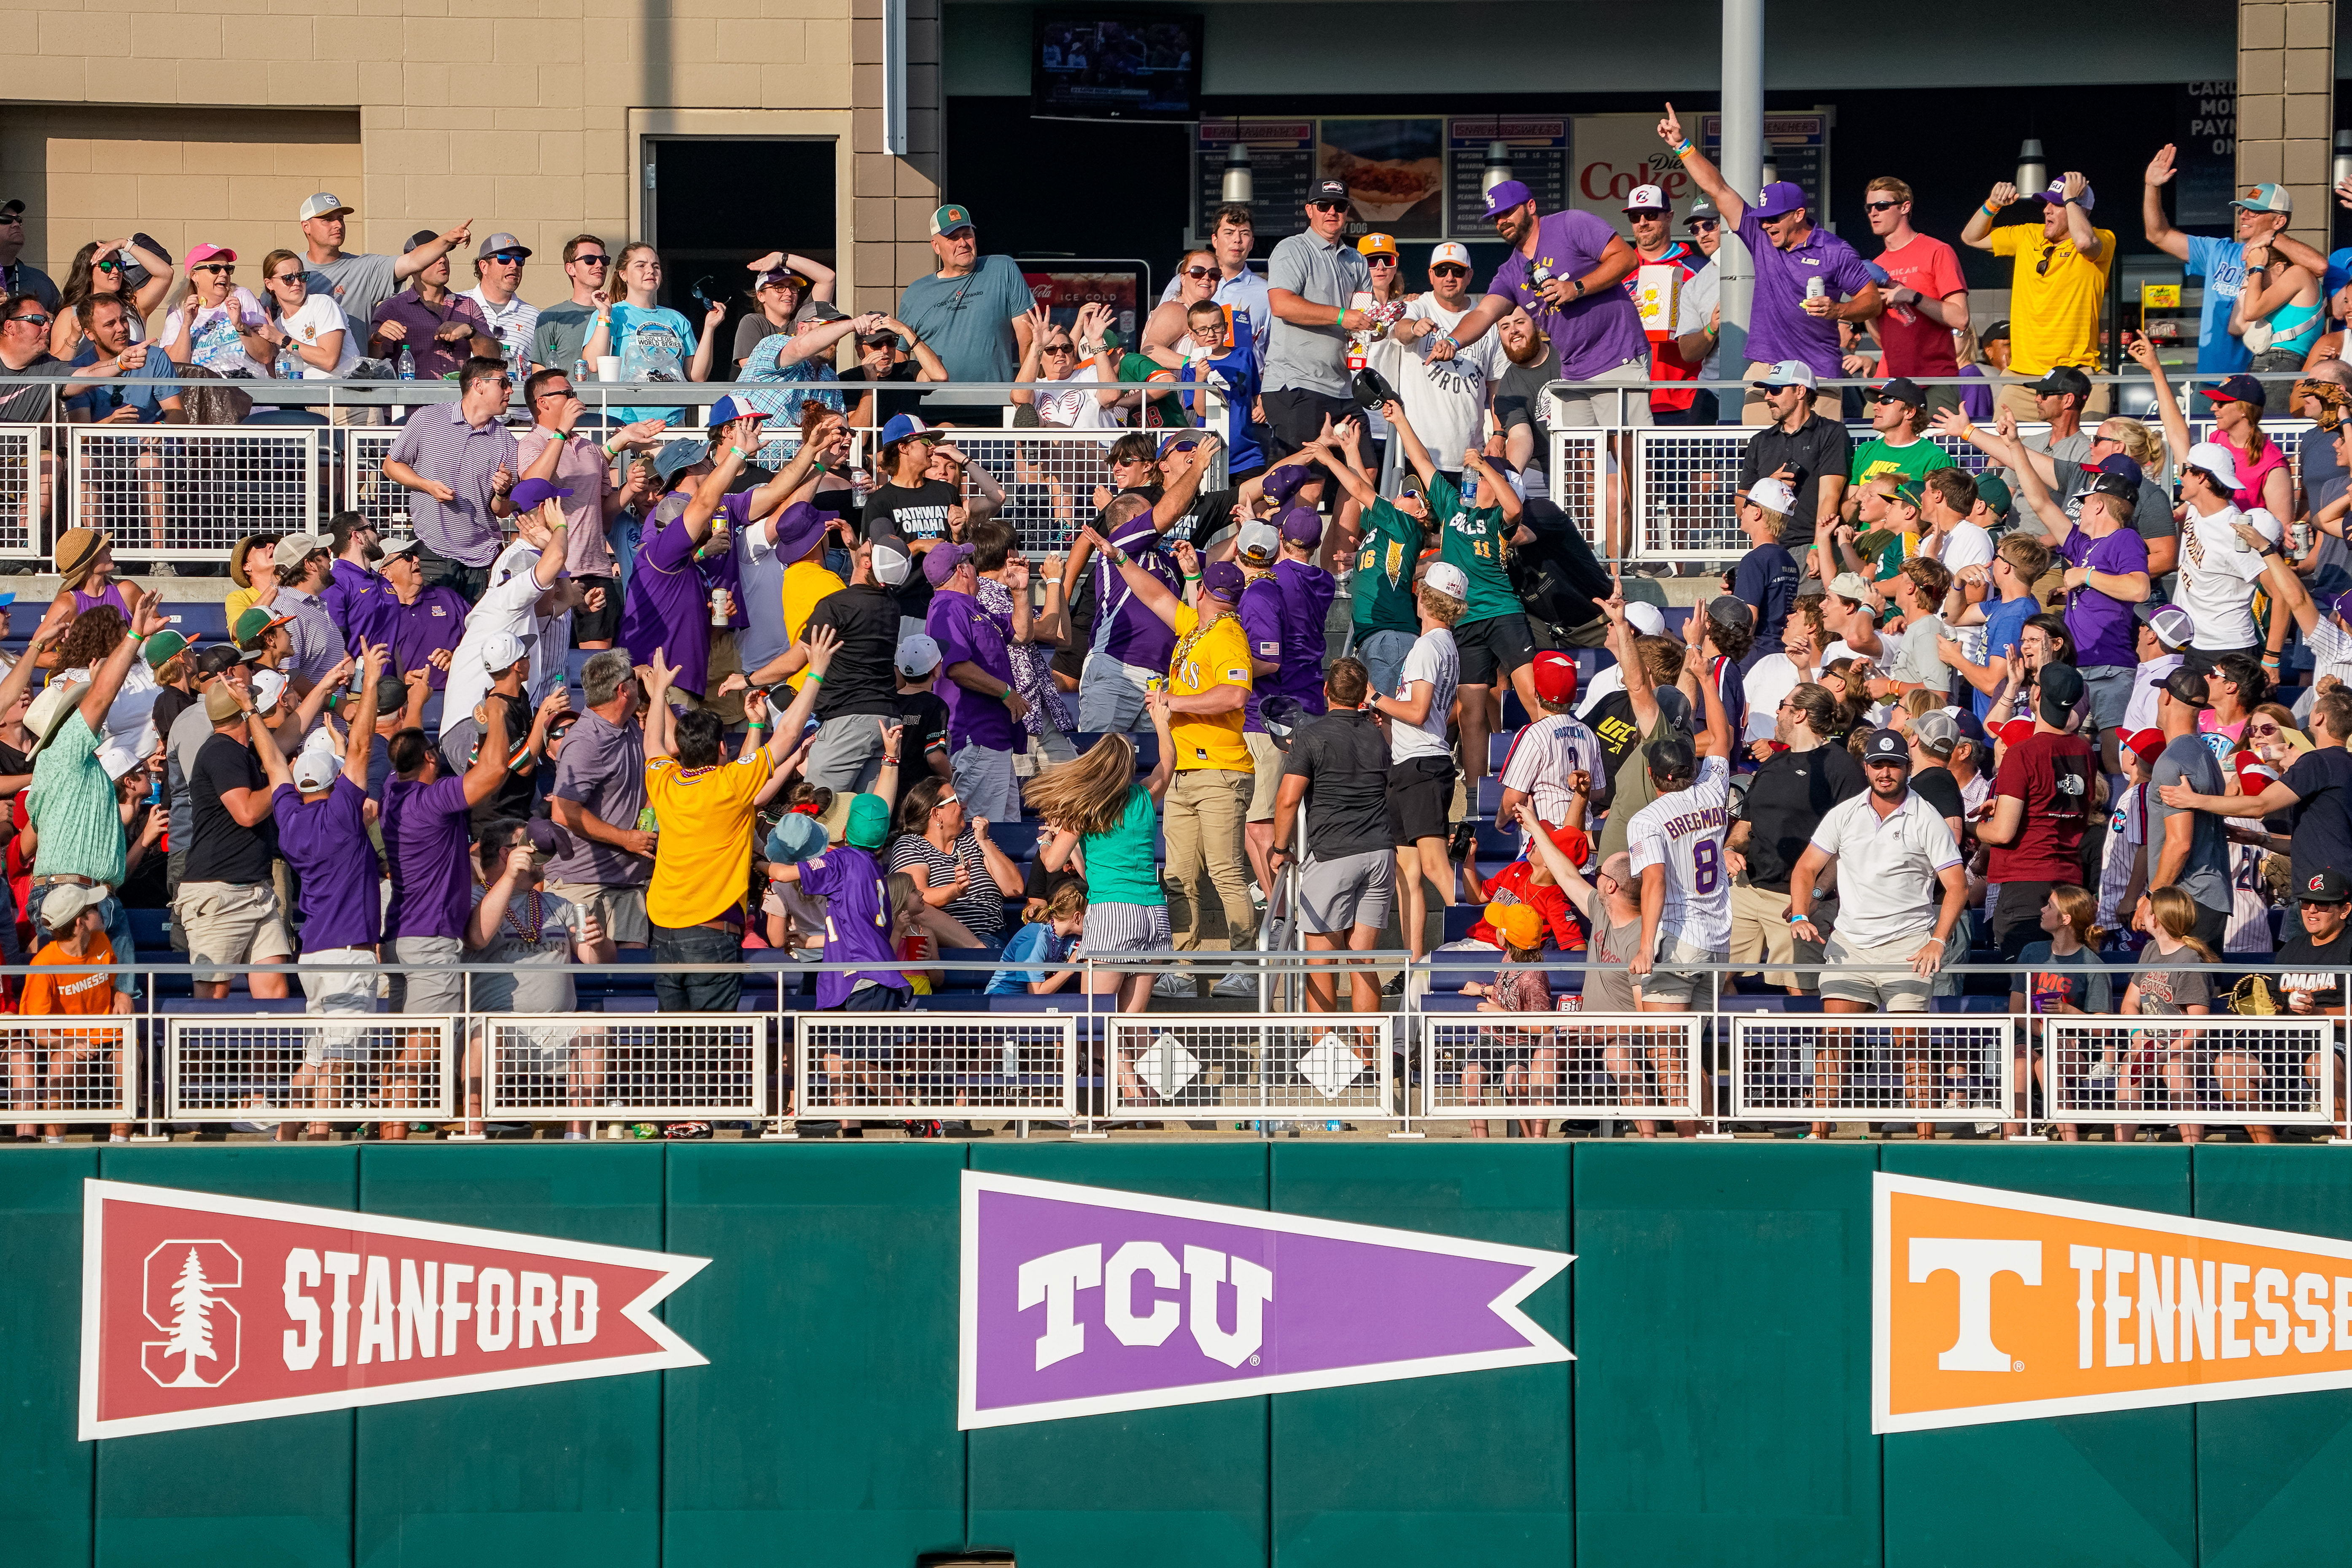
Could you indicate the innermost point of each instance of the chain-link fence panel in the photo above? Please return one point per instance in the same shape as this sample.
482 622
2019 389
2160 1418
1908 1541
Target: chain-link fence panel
567 1067
176 492
1303 1066
275 1067
911 1065
1909 1067
81 1070
1636 1066
2218 1067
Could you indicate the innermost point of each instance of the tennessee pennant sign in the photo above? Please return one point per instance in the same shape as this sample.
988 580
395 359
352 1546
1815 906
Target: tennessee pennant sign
1084 1300
1991 1305
198 1310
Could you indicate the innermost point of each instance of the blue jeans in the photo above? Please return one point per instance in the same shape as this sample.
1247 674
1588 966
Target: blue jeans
676 992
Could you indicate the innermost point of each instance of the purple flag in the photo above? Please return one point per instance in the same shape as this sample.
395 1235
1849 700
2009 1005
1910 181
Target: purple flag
1078 1301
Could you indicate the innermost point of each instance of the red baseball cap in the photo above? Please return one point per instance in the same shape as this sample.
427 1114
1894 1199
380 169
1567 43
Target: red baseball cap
2147 743
1573 842
2016 730
1556 678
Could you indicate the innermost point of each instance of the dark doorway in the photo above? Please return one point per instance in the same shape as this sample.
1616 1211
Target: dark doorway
719 202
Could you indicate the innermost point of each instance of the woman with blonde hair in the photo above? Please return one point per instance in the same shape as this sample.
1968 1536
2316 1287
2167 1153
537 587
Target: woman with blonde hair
1098 809
2169 916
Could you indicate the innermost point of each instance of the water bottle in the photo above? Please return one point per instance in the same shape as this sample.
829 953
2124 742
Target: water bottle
156 787
289 363
406 362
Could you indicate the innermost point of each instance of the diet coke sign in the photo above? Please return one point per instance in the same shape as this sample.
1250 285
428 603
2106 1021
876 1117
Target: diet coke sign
199 1310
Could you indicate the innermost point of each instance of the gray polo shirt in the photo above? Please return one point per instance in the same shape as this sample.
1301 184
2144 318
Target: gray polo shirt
318 644
358 282
603 767
1325 273
439 445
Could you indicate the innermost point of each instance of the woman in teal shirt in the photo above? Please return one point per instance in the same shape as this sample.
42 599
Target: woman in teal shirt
1097 807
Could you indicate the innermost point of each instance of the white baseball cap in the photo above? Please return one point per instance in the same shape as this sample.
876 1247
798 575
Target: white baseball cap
1646 618
268 686
504 651
892 562
1451 252
326 203
116 759
2215 459
1259 545
315 768
918 656
2175 627
1788 372
1648 199
1446 578
1773 495
2264 522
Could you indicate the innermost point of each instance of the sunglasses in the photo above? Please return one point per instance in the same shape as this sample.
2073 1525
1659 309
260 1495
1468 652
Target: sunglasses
2263 729
1380 261
505 258
1707 223
1199 272
588 259
109 266
1059 349
1326 206
2042 267
556 392
1449 270
1881 207
30 321
295 277
223 268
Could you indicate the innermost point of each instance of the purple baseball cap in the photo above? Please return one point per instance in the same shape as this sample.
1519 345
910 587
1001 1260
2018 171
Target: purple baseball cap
1779 197
1303 525
532 494
799 530
2118 464
1221 578
1182 441
1506 195
940 562
2344 607
1286 482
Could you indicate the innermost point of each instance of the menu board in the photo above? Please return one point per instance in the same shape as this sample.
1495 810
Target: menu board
1799 148
1282 166
1538 160
1394 171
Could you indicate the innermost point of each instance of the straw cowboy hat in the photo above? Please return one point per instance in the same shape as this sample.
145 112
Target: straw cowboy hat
78 552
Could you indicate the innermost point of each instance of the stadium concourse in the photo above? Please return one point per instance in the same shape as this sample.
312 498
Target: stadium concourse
1298 716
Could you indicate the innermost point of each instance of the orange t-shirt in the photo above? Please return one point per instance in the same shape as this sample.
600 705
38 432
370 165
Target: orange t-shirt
70 993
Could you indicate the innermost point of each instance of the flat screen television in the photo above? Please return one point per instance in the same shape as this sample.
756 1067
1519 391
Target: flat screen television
1116 65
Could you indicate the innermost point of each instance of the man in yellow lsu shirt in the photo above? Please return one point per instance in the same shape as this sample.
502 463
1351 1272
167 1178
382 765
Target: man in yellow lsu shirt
1208 688
2058 276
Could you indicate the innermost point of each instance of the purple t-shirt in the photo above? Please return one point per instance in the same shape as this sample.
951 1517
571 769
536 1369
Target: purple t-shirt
2102 626
1307 594
666 607
856 922
326 842
1260 612
1778 328
1125 627
425 838
436 620
1598 333
967 636
355 599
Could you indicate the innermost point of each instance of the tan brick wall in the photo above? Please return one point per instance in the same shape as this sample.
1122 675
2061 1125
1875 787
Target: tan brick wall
520 114
2286 79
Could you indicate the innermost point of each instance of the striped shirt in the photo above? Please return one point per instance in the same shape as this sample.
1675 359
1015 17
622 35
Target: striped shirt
1544 754
2126 836
440 445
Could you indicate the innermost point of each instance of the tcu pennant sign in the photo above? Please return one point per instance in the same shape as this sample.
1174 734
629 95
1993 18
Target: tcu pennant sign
2000 1306
1079 1301
198 1310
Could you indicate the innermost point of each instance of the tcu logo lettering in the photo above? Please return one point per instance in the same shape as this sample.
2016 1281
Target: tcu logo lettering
1055 1280
183 1299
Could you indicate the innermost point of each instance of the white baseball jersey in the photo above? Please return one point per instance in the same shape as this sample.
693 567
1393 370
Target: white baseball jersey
1545 754
1683 833
2126 838
2249 902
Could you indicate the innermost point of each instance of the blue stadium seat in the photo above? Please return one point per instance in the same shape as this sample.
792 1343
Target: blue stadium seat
1515 712
1984 1004
756 997
206 619
1771 1002
235 1002
1460 918
1017 839
1490 796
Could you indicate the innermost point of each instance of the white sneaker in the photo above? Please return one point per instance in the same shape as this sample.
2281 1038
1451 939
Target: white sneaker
1237 984
1172 985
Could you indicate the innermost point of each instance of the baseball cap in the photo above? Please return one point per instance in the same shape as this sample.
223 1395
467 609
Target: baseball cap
408 546
504 650
2123 489
2237 389
1936 731
219 659
1508 195
1998 332
2343 606
498 242
2057 193
898 427
2060 381
2146 744
1850 585
1257 544
2215 459
2319 887
203 253
2264 199
1673 756
252 626
422 237
1222 578
1728 610
917 655
1303 526
1777 199
297 548
1451 252
326 203
64 903
116 759
1518 924
1376 244
532 494
676 456
1647 199
2173 627
869 822
2015 730
1289 480
1701 209
795 837
315 769
1674 707
940 562
1899 389
1788 372
1182 441
268 686
1326 191
1993 491
2059 686
1640 615
950 218
1555 677
161 647
892 562
1446 578
1773 495
2183 685
220 705
731 407
1886 746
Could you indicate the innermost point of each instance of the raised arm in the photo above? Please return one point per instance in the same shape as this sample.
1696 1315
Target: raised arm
373 657
1702 173
1150 591
2160 232
1555 859
1032 354
2176 424
409 265
489 770
1414 452
105 680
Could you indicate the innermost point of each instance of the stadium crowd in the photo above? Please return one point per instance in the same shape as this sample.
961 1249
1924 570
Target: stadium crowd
620 685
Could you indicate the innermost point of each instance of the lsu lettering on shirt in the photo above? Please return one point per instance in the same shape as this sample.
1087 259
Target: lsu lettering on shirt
1682 832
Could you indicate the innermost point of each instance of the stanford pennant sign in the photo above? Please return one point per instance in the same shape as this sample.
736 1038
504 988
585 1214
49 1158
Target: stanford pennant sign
198 1310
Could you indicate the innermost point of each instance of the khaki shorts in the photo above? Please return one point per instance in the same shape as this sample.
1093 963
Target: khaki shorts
1670 983
1885 992
619 907
430 988
1268 758
231 923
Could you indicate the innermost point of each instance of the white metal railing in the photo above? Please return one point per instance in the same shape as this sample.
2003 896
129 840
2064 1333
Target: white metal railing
65 1069
22 492
365 491
897 1067
283 1067
1298 1066
184 492
2214 1067
547 1066
1625 1066
1898 1067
